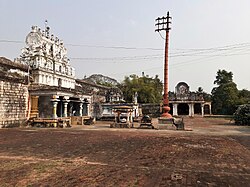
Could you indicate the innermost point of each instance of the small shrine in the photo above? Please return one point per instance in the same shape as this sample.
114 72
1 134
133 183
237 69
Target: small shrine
123 117
185 102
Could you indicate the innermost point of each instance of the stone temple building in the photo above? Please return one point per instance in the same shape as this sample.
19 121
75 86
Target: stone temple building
185 102
53 90
52 80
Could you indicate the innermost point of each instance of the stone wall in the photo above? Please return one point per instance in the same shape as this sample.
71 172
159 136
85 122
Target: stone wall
151 109
13 94
13 103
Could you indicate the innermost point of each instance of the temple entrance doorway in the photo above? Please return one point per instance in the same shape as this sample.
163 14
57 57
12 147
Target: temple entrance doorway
59 109
206 110
171 108
197 108
45 107
183 109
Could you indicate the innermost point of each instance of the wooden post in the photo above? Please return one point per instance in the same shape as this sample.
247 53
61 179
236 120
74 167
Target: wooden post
34 113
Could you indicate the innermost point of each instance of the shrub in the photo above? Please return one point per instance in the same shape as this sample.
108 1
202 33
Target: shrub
242 115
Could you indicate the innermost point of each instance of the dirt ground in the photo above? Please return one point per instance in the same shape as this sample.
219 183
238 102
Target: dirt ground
211 152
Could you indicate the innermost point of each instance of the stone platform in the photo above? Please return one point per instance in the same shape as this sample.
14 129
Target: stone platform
166 127
170 123
166 124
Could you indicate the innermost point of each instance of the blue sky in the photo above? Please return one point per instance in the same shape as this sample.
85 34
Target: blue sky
206 36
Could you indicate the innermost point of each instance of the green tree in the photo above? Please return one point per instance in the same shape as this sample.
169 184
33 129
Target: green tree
225 95
206 96
223 77
149 89
242 115
244 97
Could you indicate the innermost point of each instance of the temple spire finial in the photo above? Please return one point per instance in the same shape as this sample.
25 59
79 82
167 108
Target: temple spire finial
46 23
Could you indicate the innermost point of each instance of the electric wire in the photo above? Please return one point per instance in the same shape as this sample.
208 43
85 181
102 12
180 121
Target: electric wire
221 51
162 36
226 47
184 63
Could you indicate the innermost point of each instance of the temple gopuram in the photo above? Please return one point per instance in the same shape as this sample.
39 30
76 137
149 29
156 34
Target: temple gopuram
52 82
184 102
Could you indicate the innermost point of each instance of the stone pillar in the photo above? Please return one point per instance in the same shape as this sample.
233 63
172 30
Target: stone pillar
191 110
34 107
192 107
65 106
54 108
175 109
87 109
54 101
210 109
80 108
202 110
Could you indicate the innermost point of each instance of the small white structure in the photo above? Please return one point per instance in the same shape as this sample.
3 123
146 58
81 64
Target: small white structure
185 102
123 117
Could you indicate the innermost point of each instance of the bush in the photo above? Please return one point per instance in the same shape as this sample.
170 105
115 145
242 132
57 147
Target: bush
242 115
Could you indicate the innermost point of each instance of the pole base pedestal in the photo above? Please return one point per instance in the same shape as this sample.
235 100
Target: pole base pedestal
165 123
